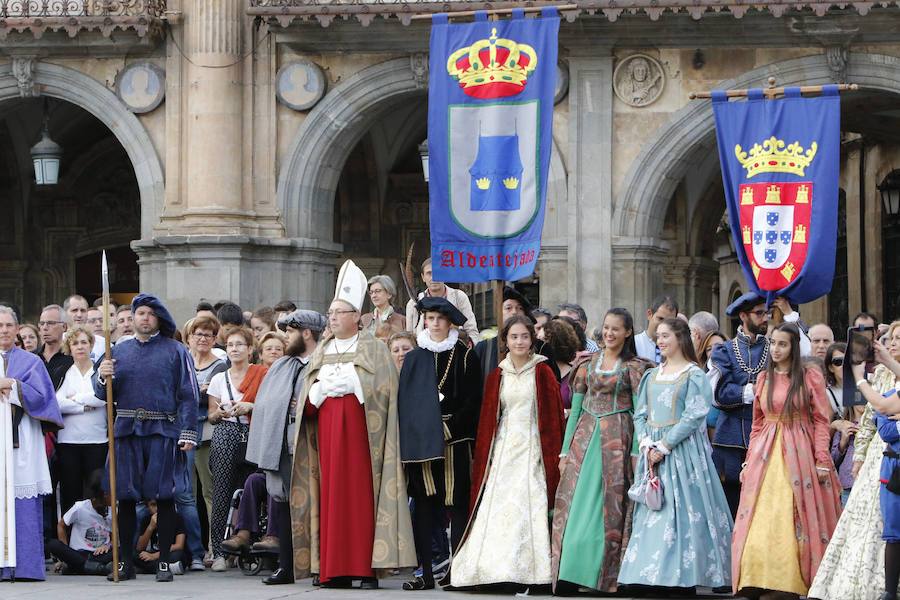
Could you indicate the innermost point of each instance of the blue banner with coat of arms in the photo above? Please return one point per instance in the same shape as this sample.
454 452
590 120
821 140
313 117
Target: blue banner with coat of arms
490 114
780 167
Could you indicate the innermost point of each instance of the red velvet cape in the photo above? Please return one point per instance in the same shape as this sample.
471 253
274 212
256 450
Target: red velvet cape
551 425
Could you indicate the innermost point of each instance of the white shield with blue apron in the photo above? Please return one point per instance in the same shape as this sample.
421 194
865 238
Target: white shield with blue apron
496 174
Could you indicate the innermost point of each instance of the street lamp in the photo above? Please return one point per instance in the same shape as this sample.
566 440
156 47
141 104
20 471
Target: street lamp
890 194
45 155
423 153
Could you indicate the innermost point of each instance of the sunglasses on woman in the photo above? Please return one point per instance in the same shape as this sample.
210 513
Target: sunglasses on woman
837 361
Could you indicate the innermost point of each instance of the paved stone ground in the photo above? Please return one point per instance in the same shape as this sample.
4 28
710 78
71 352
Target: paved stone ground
231 585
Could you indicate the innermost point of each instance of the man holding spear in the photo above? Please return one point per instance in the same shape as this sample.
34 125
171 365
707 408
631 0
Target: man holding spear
152 380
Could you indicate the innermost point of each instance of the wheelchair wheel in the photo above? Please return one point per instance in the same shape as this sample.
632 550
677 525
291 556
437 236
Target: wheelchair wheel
250 565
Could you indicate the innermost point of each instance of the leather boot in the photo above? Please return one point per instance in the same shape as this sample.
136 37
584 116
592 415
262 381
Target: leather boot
279 577
92 567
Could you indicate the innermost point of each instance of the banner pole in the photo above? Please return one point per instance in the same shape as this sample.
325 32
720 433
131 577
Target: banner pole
494 11
110 427
771 92
497 286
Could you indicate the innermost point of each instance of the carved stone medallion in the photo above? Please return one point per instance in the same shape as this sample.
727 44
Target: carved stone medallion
141 86
639 80
300 85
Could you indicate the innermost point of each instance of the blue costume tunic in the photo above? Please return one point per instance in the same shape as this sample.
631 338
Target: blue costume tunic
736 417
156 376
890 502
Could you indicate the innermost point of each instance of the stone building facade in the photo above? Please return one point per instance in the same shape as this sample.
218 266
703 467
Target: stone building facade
241 148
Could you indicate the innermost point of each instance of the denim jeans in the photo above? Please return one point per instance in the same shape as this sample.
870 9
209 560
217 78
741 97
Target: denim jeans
187 508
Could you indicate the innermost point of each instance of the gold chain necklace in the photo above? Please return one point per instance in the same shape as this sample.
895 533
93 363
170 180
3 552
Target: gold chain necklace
446 371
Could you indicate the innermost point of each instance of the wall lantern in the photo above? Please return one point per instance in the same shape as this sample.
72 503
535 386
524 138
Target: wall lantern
423 153
45 155
890 194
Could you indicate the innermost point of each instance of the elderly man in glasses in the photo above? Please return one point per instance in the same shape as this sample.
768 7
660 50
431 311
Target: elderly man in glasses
52 326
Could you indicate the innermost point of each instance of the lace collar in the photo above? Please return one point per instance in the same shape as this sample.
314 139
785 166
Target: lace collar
424 340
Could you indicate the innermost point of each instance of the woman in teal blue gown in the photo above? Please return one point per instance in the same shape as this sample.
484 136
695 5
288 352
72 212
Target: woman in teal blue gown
687 542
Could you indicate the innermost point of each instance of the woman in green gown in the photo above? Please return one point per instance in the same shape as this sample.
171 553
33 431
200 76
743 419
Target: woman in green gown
592 512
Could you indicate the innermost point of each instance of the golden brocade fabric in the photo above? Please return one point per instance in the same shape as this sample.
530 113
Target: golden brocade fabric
393 546
760 567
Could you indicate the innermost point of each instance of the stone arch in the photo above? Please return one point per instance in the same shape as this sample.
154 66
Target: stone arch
690 133
84 91
310 172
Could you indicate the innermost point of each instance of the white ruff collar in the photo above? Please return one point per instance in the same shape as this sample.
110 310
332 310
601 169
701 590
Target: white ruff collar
424 340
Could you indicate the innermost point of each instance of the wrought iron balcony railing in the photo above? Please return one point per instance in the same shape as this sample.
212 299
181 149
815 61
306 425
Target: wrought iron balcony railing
284 12
72 16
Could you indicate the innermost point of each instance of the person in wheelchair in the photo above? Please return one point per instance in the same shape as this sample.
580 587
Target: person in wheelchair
251 520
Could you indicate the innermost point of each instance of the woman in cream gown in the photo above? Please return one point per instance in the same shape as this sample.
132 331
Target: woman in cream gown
515 470
853 565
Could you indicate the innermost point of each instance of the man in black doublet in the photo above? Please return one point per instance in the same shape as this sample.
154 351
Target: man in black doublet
439 401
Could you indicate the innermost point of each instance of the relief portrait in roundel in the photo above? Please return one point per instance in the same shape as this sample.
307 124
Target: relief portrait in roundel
639 80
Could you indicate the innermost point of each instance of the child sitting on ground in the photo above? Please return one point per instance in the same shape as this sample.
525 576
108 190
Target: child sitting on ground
148 545
87 550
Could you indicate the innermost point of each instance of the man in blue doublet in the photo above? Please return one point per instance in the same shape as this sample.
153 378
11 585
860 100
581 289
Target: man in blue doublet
735 367
156 423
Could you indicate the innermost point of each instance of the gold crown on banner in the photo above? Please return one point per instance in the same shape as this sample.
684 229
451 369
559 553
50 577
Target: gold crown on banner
774 156
493 67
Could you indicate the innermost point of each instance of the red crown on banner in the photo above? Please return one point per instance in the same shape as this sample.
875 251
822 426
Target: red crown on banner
493 67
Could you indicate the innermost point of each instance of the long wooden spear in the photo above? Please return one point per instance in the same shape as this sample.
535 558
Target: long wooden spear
110 425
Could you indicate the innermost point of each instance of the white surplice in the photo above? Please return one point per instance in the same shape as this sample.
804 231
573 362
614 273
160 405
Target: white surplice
7 489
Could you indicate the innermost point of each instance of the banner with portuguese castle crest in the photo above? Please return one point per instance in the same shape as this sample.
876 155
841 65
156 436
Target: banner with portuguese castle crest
780 167
490 111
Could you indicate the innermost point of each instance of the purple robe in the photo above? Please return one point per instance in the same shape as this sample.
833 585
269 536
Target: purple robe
38 399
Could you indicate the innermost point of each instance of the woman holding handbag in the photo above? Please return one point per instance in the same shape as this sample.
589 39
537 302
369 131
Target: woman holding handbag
685 542
231 397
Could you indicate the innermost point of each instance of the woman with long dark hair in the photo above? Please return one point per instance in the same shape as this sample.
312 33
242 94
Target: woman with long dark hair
592 514
687 542
790 494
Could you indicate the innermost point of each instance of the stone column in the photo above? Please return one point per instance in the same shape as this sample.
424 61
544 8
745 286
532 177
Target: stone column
214 157
638 275
694 280
590 280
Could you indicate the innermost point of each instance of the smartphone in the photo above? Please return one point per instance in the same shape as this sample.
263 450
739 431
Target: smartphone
859 350
859 344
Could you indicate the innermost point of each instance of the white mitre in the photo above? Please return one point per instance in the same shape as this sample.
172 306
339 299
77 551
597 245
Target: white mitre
351 285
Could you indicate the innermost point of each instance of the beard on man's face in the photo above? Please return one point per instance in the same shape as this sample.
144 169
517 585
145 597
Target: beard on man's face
752 328
296 347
